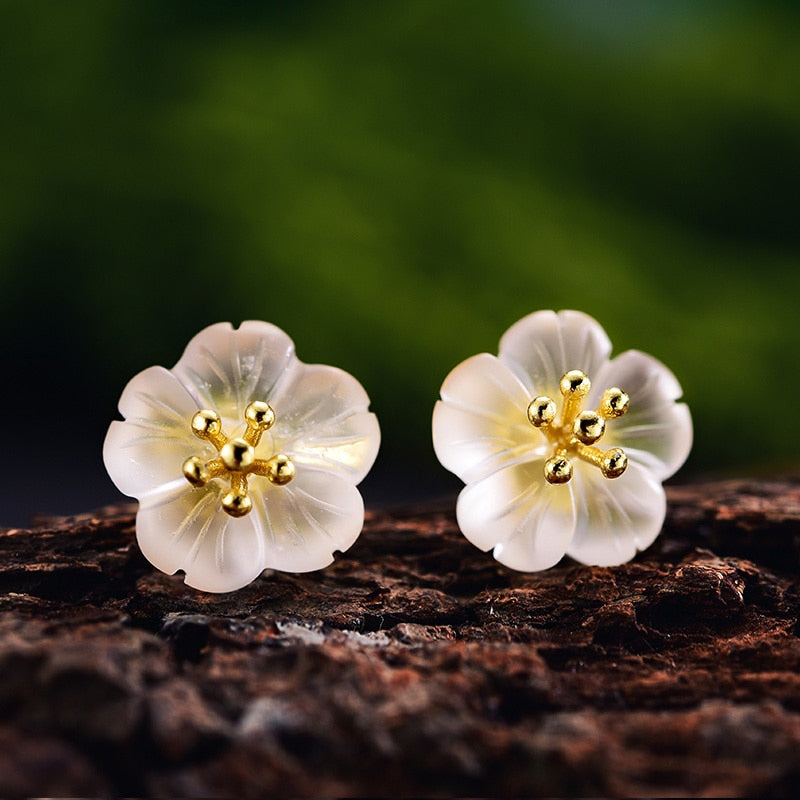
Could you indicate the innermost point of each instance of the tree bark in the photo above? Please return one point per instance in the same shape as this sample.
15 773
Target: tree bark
414 665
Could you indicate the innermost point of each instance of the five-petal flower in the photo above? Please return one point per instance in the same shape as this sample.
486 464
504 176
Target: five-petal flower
242 458
538 486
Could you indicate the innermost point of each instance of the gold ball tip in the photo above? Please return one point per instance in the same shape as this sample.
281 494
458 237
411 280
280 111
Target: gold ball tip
575 383
206 423
614 463
614 403
281 469
541 411
194 470
237 454
557 470
588 427
259 415
236 504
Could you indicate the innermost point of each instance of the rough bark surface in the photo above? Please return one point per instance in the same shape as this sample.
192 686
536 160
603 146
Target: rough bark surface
415 665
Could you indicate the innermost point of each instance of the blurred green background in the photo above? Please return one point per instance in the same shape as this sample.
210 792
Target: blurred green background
394 184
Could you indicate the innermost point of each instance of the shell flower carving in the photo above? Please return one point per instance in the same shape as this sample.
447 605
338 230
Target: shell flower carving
563 449
242 458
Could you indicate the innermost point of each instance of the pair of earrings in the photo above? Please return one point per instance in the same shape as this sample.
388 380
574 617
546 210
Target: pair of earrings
244 458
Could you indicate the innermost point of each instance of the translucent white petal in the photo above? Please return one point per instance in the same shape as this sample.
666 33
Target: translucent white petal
226 368
147 451
306 520
348 445
656 431
188 530
481 422
615 517
541 347
322 420
527 521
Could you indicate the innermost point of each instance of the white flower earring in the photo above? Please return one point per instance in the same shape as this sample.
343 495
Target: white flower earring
242 458
522 430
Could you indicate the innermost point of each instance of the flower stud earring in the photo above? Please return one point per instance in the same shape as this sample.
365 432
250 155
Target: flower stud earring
242 458
563 450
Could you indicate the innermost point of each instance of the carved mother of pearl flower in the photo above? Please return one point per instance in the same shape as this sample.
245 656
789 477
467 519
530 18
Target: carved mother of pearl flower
563 449
242 458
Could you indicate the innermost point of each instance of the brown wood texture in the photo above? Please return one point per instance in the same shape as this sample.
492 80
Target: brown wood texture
415 665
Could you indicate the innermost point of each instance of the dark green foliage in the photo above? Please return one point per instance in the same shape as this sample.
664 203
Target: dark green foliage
394 184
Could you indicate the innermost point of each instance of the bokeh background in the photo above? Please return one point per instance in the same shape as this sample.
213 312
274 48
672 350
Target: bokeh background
394 184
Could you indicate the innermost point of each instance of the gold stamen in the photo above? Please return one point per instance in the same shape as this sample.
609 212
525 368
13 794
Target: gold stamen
576 431
614 403
574 386
237 454
206 424
237 457
281 470
589 427
194 470
215 468
259 417
612 462
237 504
557 469
541 412
615 463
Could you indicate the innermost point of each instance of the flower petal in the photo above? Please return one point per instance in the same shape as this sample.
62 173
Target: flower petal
656 431
147 451
225 368
306 520
348 445
481 422
541 347
615 517
527 521
187 529
322 421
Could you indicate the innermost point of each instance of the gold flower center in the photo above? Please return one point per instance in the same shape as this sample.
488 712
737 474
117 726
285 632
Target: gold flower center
574 432
237 457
